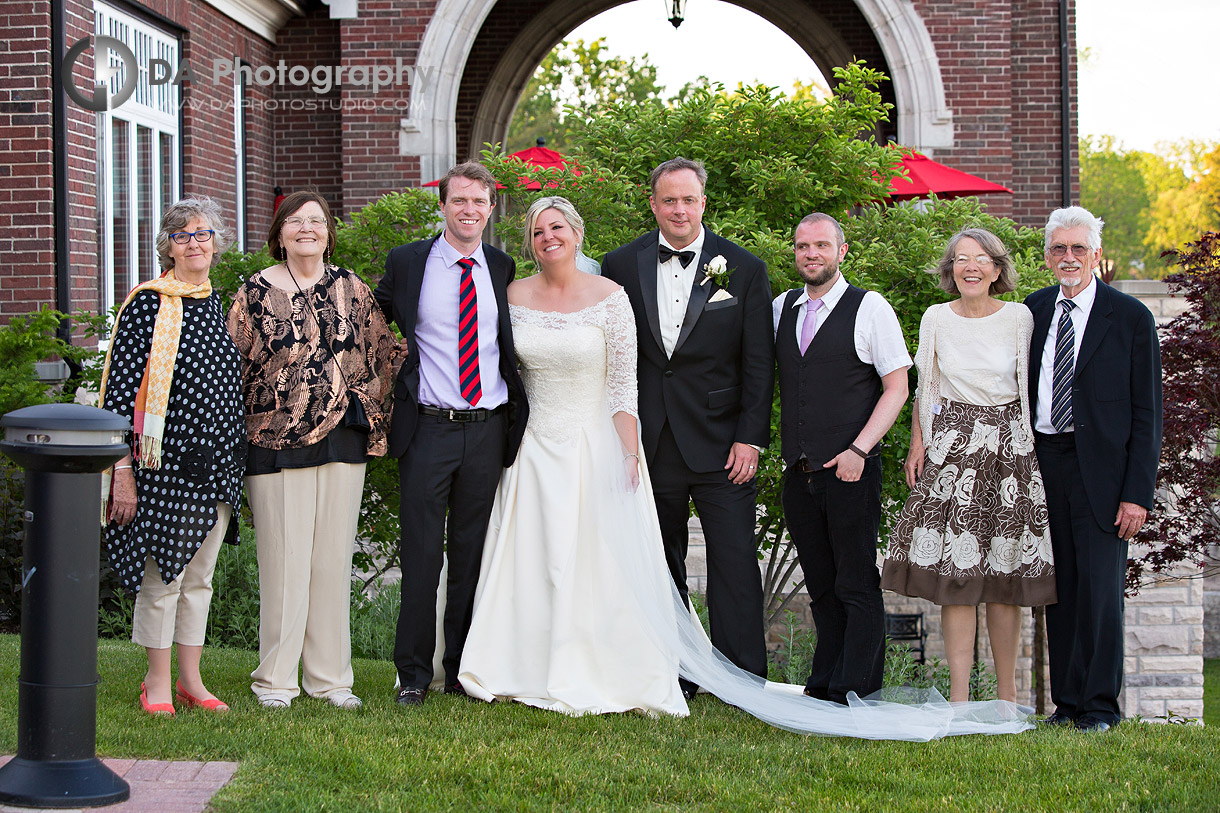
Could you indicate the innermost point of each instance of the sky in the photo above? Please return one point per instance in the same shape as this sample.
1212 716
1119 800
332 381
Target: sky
1133 57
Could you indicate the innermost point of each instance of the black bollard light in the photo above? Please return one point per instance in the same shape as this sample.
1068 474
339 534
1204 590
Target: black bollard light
63 449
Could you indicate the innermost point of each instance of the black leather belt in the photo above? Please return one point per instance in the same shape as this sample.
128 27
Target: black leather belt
1062 440
804 466
459 415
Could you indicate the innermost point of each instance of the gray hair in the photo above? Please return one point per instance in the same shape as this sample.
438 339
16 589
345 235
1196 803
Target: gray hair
175 218
561 205
1072 217
821 217
1005 283
676 165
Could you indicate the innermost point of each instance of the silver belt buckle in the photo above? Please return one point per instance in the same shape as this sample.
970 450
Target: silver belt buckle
452 414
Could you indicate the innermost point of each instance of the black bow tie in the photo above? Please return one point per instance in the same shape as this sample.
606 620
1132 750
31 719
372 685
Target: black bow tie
665 254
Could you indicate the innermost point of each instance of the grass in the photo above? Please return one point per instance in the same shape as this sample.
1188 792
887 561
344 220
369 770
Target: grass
455 754
1211 692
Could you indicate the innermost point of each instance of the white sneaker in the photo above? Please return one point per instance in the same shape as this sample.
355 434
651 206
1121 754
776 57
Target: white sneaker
273 701
344 699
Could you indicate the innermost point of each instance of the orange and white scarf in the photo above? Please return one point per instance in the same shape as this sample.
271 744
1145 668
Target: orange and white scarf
152 399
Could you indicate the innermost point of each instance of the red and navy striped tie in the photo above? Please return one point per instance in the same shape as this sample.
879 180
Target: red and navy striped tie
468 335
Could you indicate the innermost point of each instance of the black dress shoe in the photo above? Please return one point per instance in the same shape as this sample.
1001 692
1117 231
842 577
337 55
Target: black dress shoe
410 696
1091 725
1059 718
457 689
689 694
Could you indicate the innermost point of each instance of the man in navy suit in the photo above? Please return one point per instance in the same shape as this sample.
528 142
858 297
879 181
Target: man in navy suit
1095 380
705 384
458 417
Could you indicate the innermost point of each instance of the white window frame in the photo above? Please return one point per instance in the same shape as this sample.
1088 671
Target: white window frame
239 155
154 107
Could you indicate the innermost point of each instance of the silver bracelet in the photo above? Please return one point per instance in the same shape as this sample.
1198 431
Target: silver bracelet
632 454
116 468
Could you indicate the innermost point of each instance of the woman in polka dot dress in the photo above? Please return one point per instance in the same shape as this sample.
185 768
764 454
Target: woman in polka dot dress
316 370
173 370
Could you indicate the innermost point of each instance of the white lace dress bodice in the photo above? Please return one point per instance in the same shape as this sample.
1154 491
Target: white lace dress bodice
577 367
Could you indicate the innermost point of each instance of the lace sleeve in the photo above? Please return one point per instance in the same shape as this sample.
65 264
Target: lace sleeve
619 327
928 392
1025 332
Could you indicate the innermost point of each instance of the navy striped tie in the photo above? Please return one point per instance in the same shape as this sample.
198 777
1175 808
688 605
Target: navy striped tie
468 335
1065 370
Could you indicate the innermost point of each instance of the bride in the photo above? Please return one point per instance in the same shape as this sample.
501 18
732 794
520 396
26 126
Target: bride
575 610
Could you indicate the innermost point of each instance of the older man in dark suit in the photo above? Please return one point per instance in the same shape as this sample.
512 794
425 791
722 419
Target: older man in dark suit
702 310
459 414
1095 378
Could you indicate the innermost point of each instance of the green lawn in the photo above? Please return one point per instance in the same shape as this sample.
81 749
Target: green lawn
1211 692
455 754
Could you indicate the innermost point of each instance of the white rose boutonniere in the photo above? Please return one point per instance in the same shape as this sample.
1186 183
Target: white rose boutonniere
717 270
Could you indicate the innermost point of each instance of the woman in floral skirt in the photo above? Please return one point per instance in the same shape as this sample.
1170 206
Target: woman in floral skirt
974 529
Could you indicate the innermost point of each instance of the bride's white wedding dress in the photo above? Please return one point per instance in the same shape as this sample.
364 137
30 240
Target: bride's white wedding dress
575 610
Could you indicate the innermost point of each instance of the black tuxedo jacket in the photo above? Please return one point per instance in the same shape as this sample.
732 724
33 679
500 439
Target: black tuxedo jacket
1116 397
398 295
716 390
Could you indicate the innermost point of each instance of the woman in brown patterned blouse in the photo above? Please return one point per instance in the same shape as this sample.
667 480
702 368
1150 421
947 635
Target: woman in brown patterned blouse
315 375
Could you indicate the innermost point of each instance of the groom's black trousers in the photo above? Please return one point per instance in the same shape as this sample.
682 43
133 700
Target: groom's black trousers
449 469
726 512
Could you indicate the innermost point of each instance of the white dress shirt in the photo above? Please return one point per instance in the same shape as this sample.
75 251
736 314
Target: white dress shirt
1046 376
877 337
674 285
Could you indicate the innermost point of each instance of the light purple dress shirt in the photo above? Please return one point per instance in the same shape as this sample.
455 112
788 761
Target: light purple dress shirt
436 334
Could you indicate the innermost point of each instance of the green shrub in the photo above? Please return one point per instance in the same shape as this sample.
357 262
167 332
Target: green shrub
374 620
791 660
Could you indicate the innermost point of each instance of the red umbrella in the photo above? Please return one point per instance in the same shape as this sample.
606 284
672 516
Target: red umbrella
925 177
538 156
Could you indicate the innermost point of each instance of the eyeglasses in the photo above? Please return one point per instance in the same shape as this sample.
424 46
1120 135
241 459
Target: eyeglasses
978 259
304 222
184 237
1078 251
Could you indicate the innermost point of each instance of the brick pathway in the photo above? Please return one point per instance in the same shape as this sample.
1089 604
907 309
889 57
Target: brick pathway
156 785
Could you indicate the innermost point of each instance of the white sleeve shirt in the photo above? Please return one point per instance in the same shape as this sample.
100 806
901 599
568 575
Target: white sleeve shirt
878 336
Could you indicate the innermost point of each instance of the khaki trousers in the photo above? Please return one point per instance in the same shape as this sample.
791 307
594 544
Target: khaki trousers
305 527
177 612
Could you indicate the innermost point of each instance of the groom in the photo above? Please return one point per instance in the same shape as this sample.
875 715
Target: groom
703 312
459 414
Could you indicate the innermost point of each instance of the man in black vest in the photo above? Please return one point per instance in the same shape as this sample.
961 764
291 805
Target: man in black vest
842 382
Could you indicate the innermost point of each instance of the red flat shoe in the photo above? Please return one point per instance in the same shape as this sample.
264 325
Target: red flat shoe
155 709
187 699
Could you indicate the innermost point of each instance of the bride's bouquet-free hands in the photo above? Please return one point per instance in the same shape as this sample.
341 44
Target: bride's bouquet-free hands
631 468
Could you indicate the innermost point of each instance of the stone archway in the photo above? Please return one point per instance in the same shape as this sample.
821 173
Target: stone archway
483 113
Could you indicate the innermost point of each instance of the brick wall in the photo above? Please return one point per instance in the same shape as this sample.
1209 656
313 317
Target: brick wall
385 31
27 238
308 139
26 217
1000 63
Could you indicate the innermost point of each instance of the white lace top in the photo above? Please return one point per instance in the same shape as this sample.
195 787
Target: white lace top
576 366
983 361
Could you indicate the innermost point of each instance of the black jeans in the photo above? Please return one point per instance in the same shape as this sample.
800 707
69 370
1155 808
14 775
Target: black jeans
834 527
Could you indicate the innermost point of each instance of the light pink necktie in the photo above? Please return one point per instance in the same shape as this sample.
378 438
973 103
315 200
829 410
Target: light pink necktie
812 308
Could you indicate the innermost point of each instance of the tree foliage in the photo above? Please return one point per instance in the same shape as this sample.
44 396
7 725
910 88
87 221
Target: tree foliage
1151 202
574 78
1184 525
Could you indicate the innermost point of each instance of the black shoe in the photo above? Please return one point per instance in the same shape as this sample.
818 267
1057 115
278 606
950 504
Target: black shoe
1092 725
689 690
1059 718
410 696
689 694
457 689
